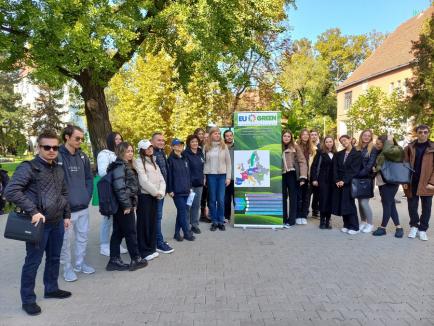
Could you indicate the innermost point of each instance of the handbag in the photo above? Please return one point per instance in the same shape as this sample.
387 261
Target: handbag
19 224
396 172
362 188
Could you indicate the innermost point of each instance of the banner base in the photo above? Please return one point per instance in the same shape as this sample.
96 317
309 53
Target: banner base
257 226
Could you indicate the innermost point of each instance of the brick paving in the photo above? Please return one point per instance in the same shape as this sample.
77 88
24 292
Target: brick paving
301 276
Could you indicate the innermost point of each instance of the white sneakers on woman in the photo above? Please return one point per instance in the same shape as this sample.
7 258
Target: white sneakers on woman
413 232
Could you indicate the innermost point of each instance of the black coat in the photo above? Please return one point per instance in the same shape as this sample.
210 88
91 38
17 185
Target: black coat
179 175
367 163
125 183
322 172
343 203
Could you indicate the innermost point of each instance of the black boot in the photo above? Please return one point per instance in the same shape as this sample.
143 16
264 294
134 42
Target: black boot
322 222
138 263
116 264
327 223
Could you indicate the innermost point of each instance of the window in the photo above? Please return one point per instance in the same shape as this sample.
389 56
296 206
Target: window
348 100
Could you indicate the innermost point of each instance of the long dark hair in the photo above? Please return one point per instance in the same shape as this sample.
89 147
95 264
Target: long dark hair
142 154
291 142
111 142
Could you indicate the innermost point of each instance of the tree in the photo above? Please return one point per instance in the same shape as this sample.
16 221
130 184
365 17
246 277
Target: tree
89 41
13 116
420 103
379 112
48 110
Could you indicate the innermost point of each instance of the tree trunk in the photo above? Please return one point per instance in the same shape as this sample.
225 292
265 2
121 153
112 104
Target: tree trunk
96 111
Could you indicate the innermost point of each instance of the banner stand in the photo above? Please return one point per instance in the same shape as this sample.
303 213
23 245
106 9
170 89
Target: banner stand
258 170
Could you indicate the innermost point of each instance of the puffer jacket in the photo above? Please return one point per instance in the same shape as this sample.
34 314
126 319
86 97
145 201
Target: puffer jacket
22 190
125 183
150 178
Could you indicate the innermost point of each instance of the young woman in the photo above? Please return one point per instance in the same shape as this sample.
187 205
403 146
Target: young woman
346 165
126 188
218 171
104 158
294 176
200 133
152 188
309 150
196 161
369 155
388 150
322 178
179 188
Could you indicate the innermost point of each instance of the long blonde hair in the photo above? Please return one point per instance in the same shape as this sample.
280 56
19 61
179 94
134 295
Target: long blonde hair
309 147
359 145
208 143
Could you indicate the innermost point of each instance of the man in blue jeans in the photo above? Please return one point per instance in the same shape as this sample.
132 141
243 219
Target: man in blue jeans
158 143
42 181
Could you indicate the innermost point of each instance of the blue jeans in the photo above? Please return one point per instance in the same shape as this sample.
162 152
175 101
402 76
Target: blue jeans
159 214
194 211
216 193
181 214
52 245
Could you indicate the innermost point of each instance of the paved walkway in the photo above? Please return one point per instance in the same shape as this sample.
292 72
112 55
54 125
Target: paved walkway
301 276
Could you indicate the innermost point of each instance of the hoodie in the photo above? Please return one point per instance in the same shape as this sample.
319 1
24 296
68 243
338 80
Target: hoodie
78 177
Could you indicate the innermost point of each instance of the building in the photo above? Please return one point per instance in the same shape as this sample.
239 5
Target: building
388 67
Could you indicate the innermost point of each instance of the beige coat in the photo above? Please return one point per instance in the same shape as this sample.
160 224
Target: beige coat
427 170
294 160
218 161
151 181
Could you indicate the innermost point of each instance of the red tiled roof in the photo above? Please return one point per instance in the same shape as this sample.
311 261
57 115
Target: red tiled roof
393 53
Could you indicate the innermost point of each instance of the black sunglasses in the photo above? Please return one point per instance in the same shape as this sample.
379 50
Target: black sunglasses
48 148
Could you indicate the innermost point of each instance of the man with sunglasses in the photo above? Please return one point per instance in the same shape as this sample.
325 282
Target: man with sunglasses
33 183
420 154
79 180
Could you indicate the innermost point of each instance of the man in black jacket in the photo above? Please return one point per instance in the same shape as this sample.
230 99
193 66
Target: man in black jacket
79 180
27 189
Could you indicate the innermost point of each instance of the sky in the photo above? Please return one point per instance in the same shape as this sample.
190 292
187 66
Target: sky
312 17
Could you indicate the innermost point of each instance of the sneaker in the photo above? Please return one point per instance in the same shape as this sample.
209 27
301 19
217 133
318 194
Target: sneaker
116 264
84 268
149 257
195 229
303 221
164 248
413 232
379 232
213 227
189 237
362 226
353 232
222 227
344 230
155 254
58 294
178 237
31 309
368 228
286 226
105 250
423 236
123 250
298 221
68 274
399 233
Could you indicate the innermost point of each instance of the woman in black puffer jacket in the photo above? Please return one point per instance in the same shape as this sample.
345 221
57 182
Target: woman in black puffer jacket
126 187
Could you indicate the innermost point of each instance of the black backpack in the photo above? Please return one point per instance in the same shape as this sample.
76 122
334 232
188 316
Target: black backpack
108 203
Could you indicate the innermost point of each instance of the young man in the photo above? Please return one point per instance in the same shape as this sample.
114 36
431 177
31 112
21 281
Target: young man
228 137
158 143
420 154
314 136
79 180
26 193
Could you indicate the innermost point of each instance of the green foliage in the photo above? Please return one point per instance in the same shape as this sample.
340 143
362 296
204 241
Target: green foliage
421 87
379 112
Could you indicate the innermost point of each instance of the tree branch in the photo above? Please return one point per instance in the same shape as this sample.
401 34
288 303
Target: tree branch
12 31
67 73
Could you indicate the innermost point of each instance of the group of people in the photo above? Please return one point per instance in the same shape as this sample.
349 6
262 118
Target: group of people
197 174
316 170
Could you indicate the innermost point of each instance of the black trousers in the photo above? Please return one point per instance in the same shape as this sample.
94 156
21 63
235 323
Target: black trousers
421 222
315 199
124 226
387 193
147 224
351 222
290 187
303 201
229 199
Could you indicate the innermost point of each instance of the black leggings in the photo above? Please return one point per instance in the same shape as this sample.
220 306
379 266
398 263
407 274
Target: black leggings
289 187
124 226
387 193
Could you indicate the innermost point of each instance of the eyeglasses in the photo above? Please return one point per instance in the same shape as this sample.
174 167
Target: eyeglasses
79 139
423 132
48 148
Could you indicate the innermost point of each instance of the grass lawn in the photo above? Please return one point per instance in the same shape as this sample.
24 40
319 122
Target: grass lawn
10 167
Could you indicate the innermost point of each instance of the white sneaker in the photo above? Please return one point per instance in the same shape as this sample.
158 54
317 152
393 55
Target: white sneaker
155 254
105 251
286 226
344 230
84 268
123 250
352 232
303 221
423 236
149 257
362 226
298 221
68 274
413 232
367 229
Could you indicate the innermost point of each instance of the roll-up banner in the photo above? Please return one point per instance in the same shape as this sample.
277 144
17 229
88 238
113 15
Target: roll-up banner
258 169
